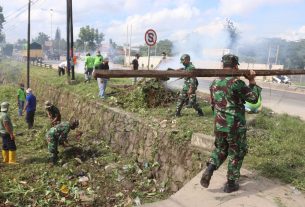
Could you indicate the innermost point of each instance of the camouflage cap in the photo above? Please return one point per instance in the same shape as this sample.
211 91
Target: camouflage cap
185 56
230 59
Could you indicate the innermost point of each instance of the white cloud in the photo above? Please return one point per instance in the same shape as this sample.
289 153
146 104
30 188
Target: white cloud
239 7
175 20
165 22
294 35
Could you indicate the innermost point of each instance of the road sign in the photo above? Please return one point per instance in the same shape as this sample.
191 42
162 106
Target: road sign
150 37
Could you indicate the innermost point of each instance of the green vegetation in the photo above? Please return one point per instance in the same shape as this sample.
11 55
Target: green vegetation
113 179
161 46
276 147
291 53
89 38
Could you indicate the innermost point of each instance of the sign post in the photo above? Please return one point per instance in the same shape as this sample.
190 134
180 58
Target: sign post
150 39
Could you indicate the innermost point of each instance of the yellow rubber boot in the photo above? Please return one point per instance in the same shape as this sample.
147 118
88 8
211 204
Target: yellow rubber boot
12 157
5 156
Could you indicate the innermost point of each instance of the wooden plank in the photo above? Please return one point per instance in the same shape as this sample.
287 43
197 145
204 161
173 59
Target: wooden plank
195 73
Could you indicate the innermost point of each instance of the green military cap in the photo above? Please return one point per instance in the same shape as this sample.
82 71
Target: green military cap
230 59
185 56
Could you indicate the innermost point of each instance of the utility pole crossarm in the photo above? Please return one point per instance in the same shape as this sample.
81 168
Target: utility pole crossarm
195 73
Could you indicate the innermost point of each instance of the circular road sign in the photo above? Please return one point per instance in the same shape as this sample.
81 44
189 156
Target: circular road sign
150 37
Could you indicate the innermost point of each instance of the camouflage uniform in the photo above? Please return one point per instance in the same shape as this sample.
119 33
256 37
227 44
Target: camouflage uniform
55 136
228 96
184 96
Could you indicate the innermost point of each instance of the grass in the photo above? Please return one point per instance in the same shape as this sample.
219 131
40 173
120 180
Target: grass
299 84
276 147
36 183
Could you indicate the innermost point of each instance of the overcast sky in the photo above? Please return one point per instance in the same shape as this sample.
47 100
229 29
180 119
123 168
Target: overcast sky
172 19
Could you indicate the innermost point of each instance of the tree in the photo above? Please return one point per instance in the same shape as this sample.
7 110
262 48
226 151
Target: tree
59 45
162 46
57 35
89 38
291 54
41 38
20 44
99 37
2 20
8 50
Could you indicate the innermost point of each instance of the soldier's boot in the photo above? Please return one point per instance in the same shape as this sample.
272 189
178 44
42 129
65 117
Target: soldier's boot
200 112
178 110
231 186
54 159
5 155
12 157
178 113
207 175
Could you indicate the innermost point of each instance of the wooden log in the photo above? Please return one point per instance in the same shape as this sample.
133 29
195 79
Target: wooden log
195 73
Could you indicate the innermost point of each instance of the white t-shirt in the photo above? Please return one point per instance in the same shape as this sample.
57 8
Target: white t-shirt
62 64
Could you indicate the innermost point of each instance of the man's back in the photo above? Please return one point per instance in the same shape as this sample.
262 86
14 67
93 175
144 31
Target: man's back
54 111
60 130
104 66
4 117
228 96
62 64
31 99
135 64
98 60
89 62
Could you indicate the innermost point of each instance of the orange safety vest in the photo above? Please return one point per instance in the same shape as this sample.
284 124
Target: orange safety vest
74 60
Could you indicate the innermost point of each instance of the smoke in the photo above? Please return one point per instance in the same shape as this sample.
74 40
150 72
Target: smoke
232 32
205 44
208 42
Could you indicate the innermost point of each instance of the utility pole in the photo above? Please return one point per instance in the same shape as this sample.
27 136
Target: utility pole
68 38
156 49
28 49
51 13
268 62
277 54
72 45
130 43
127 64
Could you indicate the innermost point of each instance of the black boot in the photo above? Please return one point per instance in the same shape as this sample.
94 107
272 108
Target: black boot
54 159
200 112
177 114
206 176
231 186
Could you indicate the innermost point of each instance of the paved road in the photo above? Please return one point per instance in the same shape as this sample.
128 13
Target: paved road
292 103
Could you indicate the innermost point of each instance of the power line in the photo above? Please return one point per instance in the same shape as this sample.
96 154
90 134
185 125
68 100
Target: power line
18 12
24 6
